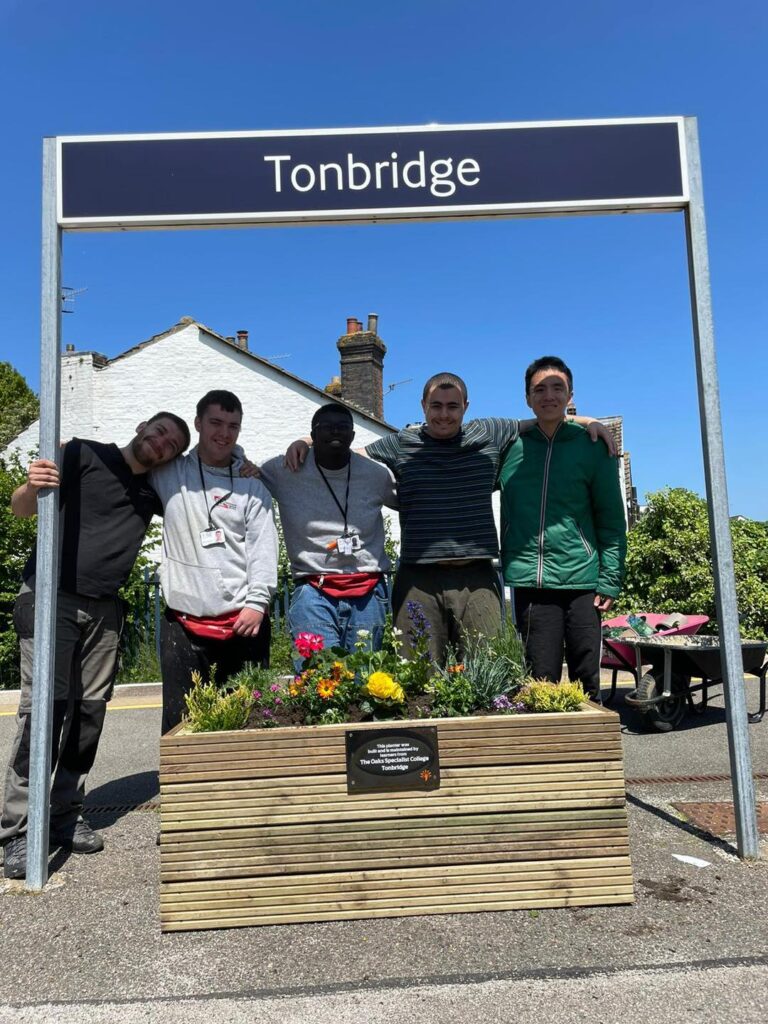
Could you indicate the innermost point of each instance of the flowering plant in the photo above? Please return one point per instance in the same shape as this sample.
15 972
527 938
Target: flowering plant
333 685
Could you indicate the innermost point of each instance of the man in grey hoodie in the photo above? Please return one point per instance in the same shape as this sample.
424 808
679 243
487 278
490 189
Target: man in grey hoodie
219 558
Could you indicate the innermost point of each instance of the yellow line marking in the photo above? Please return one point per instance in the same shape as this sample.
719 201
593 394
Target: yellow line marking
116 707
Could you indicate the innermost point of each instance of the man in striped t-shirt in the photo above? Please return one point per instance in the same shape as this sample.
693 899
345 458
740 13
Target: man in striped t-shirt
446 471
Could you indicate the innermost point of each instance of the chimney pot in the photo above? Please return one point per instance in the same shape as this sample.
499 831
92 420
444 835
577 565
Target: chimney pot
352 323
242 339
70 348
358 325
373 322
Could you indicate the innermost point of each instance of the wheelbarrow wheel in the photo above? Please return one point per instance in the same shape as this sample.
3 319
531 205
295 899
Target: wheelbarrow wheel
665 715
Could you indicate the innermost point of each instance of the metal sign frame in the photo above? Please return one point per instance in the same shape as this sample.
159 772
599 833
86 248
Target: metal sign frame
690 201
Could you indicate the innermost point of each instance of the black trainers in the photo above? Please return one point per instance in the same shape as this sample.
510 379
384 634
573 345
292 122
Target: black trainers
78 837
15 865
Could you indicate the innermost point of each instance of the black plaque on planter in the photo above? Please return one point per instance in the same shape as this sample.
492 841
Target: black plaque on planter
383 760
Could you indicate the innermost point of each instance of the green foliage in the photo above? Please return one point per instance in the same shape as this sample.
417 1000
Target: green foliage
16 539
453 695
391 548
281 651
284 574
540 696
669 563
138 656
18 404
213 709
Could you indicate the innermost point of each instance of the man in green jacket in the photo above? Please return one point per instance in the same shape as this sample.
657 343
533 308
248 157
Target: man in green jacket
563 532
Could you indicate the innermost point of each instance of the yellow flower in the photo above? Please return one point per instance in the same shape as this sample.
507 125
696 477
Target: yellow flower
383 686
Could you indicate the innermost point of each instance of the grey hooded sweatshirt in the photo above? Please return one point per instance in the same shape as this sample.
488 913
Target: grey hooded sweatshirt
237 572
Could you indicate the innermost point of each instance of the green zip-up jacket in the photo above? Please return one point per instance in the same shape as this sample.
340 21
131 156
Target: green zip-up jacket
562 514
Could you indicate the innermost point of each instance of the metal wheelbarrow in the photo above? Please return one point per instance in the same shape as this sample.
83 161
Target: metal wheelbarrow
664 693
619 656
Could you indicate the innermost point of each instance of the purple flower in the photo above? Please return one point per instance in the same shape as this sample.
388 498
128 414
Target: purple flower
256 694
419 623
502 703
278 701
275 687
267 713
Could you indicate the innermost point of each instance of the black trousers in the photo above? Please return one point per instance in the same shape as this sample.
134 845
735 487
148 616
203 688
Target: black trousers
181 653
546 619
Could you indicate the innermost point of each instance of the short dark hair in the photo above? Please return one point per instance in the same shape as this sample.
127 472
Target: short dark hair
225 399
177 420
547 363
329 407
444 381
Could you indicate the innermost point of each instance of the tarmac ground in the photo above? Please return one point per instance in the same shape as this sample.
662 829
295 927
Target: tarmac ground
693 946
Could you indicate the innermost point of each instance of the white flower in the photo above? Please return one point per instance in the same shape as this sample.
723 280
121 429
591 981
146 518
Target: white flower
396 631
363 633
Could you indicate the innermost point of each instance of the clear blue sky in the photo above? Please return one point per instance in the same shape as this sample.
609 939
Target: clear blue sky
609 294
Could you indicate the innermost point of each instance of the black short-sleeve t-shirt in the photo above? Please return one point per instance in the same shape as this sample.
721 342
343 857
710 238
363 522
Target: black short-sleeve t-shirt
445 488
105 510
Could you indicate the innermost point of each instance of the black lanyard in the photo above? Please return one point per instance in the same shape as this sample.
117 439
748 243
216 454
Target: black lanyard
345 507
218 500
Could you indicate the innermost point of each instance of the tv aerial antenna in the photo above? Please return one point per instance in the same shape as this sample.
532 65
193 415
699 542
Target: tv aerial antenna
68 296
280 355
391 387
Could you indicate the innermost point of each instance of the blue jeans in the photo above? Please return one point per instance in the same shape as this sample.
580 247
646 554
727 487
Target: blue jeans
338 619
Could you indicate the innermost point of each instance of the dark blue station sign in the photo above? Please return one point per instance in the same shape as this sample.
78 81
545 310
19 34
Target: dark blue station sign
371 173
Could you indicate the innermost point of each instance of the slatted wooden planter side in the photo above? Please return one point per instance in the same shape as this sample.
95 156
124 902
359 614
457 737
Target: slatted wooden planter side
257 827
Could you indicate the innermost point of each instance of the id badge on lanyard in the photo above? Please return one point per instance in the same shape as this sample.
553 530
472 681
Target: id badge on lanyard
214 534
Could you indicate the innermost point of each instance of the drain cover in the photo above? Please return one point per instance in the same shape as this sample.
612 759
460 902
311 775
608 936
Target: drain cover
718 817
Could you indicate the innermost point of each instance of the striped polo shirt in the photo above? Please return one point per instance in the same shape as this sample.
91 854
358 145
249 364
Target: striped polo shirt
445 488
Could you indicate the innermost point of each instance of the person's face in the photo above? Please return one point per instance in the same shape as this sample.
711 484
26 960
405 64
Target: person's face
548 395
444 410
332 434
157 443
218 432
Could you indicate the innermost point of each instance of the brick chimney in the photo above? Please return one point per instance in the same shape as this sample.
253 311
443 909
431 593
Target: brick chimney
362 365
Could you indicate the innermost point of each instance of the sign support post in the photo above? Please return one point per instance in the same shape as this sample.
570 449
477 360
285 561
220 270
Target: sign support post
46 573
747 838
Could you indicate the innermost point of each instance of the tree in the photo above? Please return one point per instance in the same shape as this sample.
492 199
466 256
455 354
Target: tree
18 404
669 563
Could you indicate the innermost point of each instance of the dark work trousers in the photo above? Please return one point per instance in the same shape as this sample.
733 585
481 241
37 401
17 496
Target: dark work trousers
87 636
455 597
182 653
546 618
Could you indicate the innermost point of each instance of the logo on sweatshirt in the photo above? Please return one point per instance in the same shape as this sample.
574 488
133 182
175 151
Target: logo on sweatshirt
231 505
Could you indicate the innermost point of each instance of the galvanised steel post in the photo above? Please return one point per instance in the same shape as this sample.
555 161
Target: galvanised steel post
717 499
46 570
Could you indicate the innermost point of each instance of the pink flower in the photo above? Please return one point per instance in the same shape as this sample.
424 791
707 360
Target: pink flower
307 643
275 687
256 694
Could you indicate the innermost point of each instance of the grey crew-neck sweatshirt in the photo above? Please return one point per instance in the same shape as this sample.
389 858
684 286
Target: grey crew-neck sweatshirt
312 520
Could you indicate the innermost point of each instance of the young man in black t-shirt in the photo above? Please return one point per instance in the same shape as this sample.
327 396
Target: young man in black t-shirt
106 505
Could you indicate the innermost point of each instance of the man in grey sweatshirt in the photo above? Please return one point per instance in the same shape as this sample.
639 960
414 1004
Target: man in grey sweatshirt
330 511
219 558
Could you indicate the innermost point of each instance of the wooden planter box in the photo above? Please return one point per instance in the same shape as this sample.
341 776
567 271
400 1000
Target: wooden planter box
257 827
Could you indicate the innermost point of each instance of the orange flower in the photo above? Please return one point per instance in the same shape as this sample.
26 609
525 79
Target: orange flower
326 688
455 669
